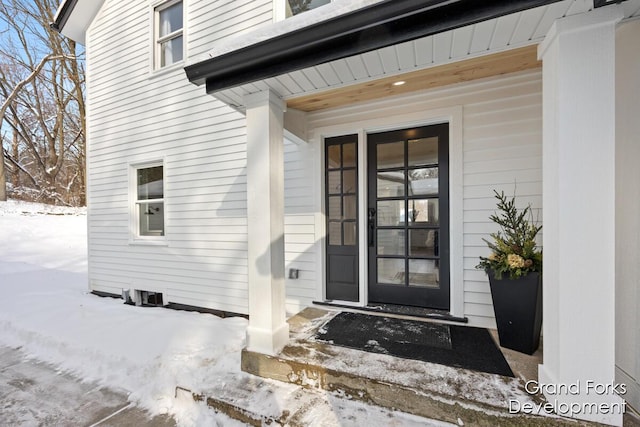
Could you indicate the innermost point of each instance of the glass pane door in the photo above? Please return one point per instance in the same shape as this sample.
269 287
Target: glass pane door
341 210
408 212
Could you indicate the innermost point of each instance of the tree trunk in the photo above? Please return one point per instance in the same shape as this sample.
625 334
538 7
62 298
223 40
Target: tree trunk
3 179
15 152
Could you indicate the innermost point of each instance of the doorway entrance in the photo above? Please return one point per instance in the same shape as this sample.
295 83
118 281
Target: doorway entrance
408 217
407 222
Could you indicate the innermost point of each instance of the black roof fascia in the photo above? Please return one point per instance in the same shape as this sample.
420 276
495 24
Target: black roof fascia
63 16
376 26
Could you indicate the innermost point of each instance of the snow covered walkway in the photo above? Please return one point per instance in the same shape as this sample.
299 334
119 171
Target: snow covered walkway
46 309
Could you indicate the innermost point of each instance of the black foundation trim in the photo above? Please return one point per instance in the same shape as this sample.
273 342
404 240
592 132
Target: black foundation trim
175 306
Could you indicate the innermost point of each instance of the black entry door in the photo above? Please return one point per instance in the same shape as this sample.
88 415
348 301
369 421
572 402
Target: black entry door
341 184
408 212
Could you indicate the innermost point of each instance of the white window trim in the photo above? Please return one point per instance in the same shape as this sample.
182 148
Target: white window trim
156 7
134 221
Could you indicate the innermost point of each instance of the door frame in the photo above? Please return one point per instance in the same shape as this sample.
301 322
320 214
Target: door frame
362 124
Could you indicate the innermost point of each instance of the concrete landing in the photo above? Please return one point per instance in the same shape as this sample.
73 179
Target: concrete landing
428 390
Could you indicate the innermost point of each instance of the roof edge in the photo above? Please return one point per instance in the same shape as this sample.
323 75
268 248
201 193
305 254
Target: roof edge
63 14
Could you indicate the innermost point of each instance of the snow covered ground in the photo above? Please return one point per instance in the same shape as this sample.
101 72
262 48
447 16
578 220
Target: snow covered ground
46 309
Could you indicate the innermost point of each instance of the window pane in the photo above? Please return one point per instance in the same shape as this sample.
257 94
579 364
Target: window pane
349 181
333 160
171 51
335 211
299 6
349 233
390 155
350 204
151 217
391 242
423 182
334 183
170 19
335 235
424 273
349 151
423 151
391 184
424 212
423 242
150 185
391 270
390 212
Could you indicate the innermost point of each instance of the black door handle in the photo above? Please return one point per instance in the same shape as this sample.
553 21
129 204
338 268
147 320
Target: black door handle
372 226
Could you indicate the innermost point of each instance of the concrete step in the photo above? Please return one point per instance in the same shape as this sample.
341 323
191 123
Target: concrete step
257 401
453 395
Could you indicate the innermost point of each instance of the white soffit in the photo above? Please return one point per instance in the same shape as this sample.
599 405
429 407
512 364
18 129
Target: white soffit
82 15
484 38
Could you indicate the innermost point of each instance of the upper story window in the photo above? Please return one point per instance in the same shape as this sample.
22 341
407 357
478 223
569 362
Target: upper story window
294 7
169 39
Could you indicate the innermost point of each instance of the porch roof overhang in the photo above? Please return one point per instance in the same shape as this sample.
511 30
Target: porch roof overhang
336 55
376 26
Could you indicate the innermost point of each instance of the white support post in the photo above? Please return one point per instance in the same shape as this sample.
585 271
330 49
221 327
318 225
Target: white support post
268 330
579 123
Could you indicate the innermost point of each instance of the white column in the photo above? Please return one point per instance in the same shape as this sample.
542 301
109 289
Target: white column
579 214
268 330
628 210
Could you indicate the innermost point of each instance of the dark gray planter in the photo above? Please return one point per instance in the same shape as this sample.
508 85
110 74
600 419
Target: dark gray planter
517 304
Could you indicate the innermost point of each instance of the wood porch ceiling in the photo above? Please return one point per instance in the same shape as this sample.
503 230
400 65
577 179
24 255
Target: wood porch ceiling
510 61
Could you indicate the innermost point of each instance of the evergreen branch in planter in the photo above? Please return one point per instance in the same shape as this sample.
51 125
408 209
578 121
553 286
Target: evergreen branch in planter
513 249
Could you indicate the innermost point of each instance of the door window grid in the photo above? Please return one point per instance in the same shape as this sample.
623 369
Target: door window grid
342 190
410 237
341 208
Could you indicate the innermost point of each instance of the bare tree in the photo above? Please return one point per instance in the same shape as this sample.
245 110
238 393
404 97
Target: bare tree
43 112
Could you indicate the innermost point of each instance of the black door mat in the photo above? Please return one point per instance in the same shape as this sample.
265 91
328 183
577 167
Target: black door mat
451 345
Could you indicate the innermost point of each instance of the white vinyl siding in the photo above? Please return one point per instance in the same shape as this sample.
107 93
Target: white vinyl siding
211 21
135 115
300 245
502 150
